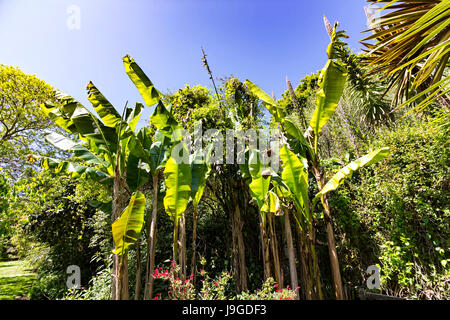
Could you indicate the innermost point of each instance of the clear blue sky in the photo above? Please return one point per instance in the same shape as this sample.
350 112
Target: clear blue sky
264 41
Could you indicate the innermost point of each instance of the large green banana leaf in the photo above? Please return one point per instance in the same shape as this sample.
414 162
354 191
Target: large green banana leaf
348 170
128 226
73 117
272 204
134 116
61 114
80 151
159 151
255 166
141 81
139 159
245 172
294 129
138 172
74 169
331 85
178 180
275 110
295 175
164 121
103 107
200 171
145 137
84 154
259 186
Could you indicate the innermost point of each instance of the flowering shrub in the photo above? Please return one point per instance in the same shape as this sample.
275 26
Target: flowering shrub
269 291
180 289
214 289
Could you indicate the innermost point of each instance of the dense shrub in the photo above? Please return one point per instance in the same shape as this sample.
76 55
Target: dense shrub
60 228
396 214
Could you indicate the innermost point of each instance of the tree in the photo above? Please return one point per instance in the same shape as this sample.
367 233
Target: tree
22 122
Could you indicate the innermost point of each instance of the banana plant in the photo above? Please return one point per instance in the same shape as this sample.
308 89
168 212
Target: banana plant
178 178
295 175
331 85
158 153
200 171
111 152
261 186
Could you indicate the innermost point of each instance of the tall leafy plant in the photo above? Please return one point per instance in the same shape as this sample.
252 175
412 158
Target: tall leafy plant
331 85
110 151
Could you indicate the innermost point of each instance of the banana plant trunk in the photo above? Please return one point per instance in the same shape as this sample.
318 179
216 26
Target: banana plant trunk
182 246
194 244
334 261
264 248
274 248
291 253
119 290
151 242
303 253
138 270
315 265
339 292
238 245
175 242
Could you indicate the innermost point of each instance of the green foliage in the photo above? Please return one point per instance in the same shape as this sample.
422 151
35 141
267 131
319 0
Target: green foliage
411 48
397 214
191 105
56 227
306 90
6 221
295 175
99 288
214 289
22 121
150 94
241 103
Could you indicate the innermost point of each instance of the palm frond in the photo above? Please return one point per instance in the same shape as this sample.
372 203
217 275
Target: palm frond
409 44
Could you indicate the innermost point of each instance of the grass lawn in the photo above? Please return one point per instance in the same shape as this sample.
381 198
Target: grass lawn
16 279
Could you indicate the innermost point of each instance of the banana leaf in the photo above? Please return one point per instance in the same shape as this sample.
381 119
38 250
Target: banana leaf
141 81
178 180
128 226
348 170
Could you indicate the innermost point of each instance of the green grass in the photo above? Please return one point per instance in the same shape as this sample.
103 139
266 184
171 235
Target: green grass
16 279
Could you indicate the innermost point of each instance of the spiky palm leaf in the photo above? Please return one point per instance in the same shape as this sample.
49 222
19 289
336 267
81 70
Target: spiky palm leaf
412 48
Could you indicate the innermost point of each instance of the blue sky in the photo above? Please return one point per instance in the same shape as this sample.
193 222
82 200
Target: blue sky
264 41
